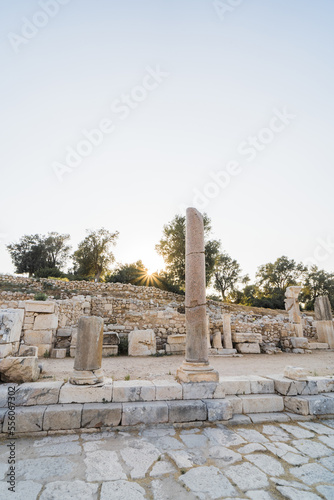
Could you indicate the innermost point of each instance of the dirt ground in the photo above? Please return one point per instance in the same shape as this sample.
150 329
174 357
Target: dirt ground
164 367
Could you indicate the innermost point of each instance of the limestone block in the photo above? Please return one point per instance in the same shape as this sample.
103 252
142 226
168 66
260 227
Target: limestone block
325 332
88 354
199 390
101 415
322 308
295 373
64 332
247 337
39 306
324 384
11 322
299 351
33 337
298 329
155 412
27 419
175 348
111 338
5 390
297 404
46 322
217 340
20 369
236 403
109 350
227 338
321 404
72 351
234 385
133 390
318 345
262 403
58 353
62 417
299 342
70 393
186 411
289 387
6 350
142 343
28 350
44 350
248 348
38 393
166 390
176 339
218 409
261 385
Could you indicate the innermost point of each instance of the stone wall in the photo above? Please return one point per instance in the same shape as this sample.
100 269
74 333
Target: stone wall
126 307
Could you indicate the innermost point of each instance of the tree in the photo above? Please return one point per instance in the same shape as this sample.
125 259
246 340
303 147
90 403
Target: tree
226 274
317 282
36 252
172 248
136 274
93 256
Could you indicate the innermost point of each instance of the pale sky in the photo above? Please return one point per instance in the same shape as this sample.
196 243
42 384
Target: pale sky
184 91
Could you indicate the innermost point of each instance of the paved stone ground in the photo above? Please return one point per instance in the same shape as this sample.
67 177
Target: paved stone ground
292 460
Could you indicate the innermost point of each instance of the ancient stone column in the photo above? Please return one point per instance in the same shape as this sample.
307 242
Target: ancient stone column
227 338
217 340
208 331
88 354
196 367
324 320
292 306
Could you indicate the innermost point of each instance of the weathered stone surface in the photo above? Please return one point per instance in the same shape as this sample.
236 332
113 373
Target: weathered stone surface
33 337
62 417
262 418
28 350
299 342
323 309
176 339
325 332
186 411
176 348
142 343
267 464
122 490
297 405
64 332
317 345
103 465
289 387
38 393
312 448
247 337
218 409
38 306
236 403
5 390
292 304
46 322
295 373
199 390
227 338
166 390
11 321
155 412
248 348
261 385
217 340
27 419
70 393
109 350
321 405
324 384
43 350
247 476
234 385
207 482
262 403
58 353
111 338
312 474
133 390
58 490
20 369
101 415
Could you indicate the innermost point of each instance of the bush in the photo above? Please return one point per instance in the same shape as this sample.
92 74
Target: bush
48 272
40 296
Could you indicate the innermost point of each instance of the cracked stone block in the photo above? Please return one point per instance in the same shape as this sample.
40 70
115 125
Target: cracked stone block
218 409
133 390
11 322
38 393
28 350
109 350
142 343
295 373
122 490
154 412
27 419
38 306
261 418
248 348
324 384
262 403
246 476
46 322
166 390
103 465
5 390
62 417
101 415
233 385
261 385
186 411
19 369
297 405
236 403
207 482
299 342
199 390
70 393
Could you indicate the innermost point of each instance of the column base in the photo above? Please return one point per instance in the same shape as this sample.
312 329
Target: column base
196 372
87 377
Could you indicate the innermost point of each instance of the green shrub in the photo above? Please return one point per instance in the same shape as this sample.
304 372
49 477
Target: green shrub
40 296
48 272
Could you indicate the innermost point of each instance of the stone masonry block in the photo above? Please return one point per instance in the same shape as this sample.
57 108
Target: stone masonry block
297 404
236 403
261 385
262 403
71 393
155 412
142 343
62 417
32 337
324 384
6 389
101 415
235 385
321 404
299 342
27 419
39 306
218 409
166 390
59 353
38 393
186 411
133 390
46 322
246 337
199 390
248 348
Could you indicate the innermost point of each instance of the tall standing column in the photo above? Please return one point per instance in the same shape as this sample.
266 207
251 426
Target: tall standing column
196 366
